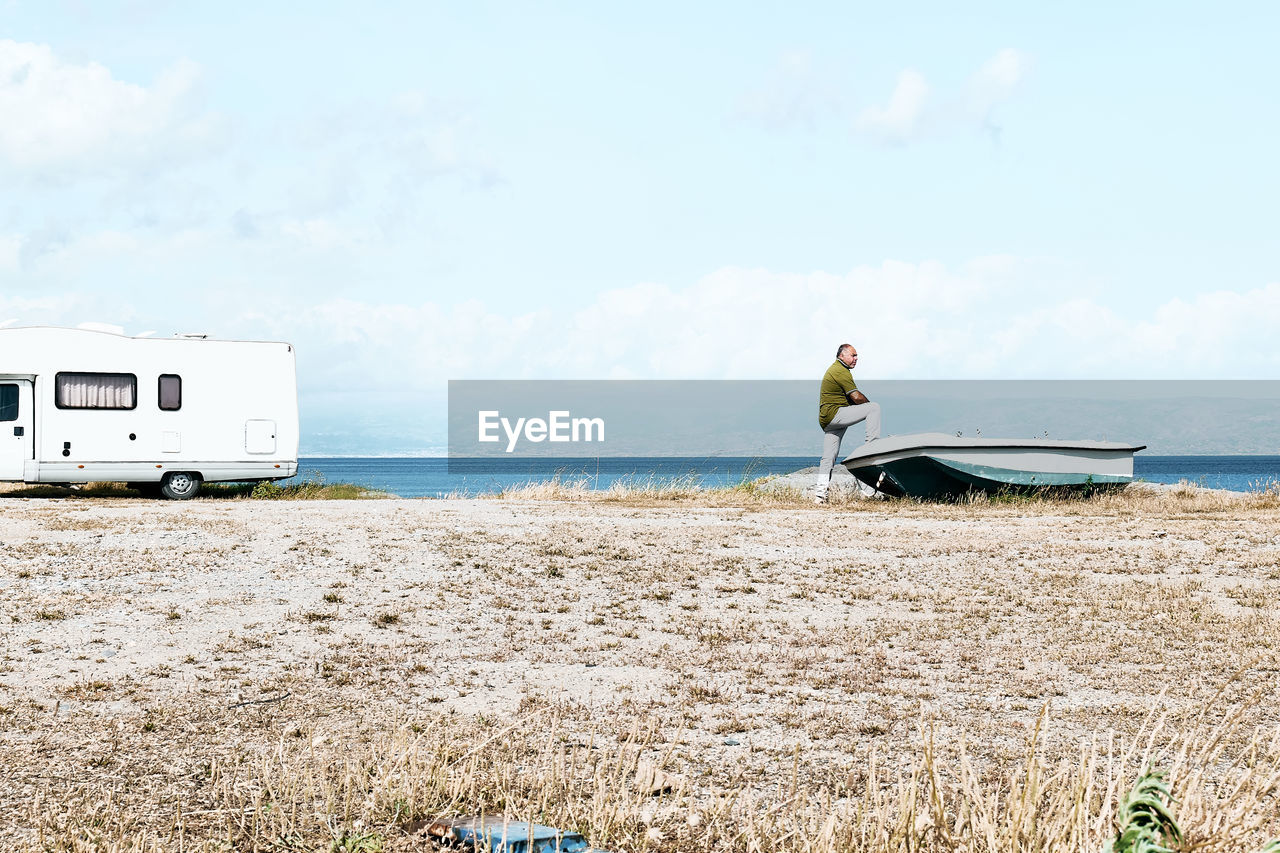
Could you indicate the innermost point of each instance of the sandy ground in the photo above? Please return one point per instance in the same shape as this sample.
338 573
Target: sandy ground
749 633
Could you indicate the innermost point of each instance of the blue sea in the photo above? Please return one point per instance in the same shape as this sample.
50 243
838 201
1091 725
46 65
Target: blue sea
434 477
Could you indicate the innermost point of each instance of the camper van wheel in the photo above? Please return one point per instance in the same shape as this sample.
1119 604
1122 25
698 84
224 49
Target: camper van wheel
180 485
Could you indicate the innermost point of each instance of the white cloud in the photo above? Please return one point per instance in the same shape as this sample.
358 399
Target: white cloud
913 111
796 94
85 153
95 326
1224 332
897 121
322 234
10 247
62 118
801 93
993 317
998 77
16 310
364 169
1217 334
993 84
909 320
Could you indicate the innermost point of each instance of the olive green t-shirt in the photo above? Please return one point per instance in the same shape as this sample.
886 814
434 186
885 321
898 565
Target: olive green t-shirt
837 382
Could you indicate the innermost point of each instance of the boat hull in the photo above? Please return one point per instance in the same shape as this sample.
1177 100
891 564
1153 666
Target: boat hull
935 467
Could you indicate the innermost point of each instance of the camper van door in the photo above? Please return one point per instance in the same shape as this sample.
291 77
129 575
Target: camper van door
16 440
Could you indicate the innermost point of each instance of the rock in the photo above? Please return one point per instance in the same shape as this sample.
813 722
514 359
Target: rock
651 780
1184 488
805 480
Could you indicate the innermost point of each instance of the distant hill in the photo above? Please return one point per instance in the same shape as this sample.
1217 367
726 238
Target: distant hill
779 418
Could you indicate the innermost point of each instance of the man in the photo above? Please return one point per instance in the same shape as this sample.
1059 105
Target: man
840 406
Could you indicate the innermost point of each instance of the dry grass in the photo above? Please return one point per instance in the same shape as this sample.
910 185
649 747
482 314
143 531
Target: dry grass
285 777
310 488
884 669
1137 499
48 490
649 490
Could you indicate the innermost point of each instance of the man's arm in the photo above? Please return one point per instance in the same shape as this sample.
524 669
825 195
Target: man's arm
857 398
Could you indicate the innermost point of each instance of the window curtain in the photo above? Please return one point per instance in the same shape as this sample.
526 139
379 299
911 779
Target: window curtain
96 391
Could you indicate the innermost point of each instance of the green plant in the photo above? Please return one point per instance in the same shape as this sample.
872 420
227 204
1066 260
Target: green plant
354 841
312 487
1144 820
266 490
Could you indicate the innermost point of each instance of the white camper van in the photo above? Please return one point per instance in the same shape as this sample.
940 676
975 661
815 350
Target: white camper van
80 406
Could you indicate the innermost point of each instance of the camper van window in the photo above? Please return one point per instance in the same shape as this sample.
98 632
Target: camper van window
8 402
170 392
95 391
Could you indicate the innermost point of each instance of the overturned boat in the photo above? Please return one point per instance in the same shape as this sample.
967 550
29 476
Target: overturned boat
939 466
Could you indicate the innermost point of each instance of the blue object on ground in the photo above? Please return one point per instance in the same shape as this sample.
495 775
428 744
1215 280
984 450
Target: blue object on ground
501 836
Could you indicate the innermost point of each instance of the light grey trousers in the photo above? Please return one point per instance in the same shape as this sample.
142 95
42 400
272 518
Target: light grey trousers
846 416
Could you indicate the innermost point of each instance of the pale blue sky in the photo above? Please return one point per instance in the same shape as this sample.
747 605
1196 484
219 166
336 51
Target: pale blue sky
418 192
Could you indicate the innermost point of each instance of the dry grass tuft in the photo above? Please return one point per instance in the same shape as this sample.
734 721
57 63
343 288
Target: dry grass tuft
681 490
312 488
1186 498
48 490
302 786
558 488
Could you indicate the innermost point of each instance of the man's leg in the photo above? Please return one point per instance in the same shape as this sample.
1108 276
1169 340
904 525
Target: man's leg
845 417
830 450
873 419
